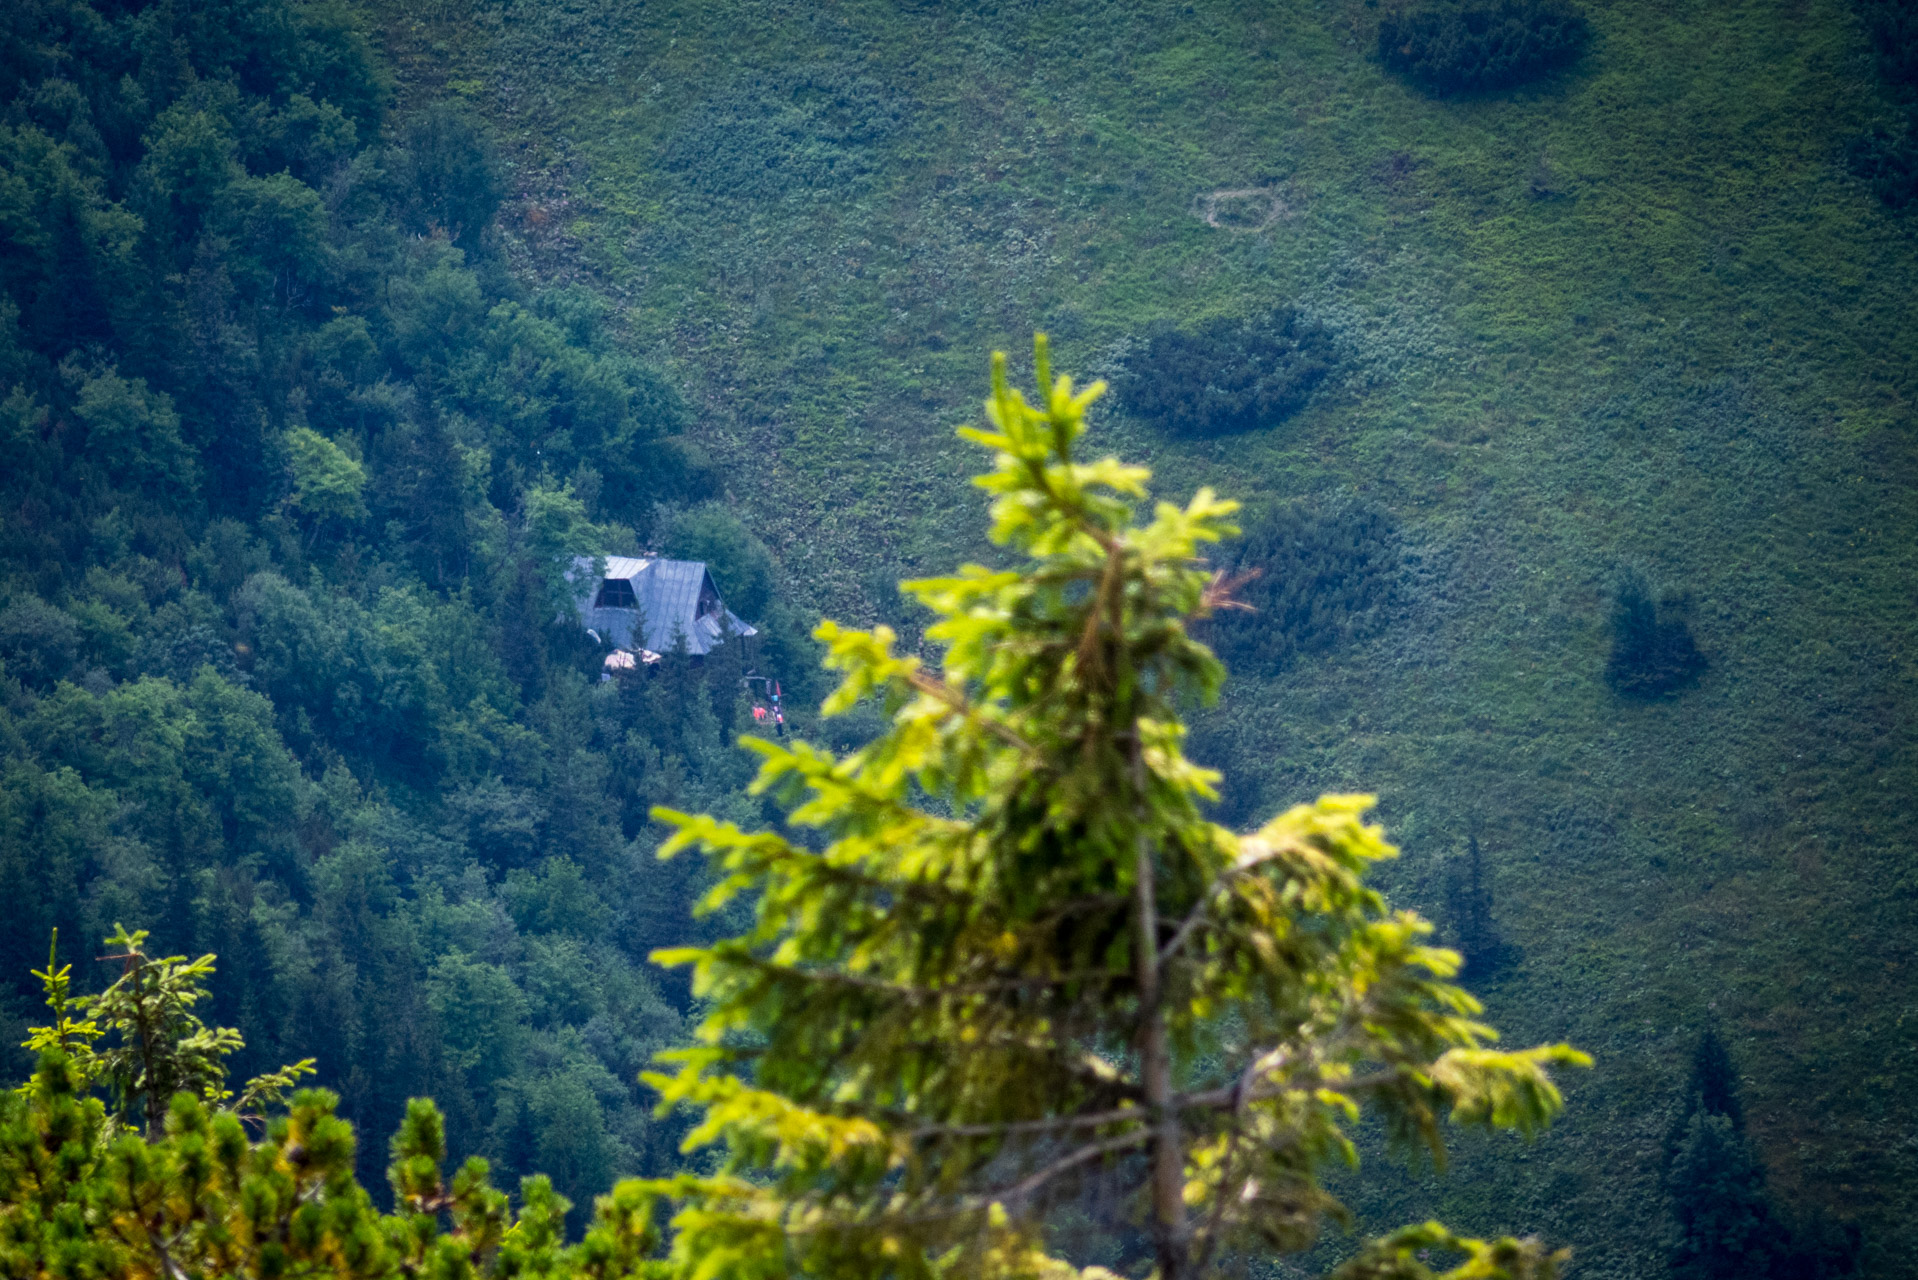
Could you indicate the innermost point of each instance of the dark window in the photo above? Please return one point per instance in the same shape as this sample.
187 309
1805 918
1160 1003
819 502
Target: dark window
616 593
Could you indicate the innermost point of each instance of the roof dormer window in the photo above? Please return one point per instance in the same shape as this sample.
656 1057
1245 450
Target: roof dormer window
616 593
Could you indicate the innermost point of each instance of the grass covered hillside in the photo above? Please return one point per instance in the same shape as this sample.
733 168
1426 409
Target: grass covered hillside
1625 342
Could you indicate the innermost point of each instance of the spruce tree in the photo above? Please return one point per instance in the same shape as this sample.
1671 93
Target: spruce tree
1469 904
1003 959
1728 1226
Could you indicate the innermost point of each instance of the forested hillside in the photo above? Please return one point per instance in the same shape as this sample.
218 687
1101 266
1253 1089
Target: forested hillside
292 465
1569 392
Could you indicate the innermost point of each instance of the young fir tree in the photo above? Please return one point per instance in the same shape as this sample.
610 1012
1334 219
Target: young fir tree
1468 894
1019 964
1727 1228
193 1195
156 1045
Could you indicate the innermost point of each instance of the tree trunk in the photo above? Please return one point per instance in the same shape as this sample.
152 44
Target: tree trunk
1155 1068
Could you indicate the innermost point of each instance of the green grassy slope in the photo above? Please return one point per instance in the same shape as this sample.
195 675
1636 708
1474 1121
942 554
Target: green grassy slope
1635 317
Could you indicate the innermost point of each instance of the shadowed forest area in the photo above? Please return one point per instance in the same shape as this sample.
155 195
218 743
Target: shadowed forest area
1562 354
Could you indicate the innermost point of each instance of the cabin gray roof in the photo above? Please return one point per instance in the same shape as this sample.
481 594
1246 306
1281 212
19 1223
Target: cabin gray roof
672 597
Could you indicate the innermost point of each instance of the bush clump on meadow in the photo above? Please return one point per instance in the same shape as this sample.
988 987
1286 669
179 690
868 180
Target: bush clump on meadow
1229 375
1653 653
1887 161
1893 27
1887 158
1451 49
1324 575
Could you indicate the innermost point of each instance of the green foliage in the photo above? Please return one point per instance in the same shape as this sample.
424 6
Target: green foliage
742 567
1893 27
179 285
202 1198
1405 1253
1712 1087
327 483
1023 963
1635 313
1476 47
1726 1227
1887 158
133 434
298 470
163 1047
446 175
1653 653
38 642
78 1189
71 1032
1228 375
158 1045
1305 578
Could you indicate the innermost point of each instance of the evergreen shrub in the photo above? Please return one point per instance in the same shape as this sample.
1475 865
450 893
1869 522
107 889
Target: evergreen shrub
38 643
1447 49
1887 160
1653 653
1893 25
1326 575
1014 967
1228 375
446 174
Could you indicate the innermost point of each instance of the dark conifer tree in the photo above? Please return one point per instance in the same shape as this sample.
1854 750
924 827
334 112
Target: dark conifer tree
1469 905
1728 1225
1714 1081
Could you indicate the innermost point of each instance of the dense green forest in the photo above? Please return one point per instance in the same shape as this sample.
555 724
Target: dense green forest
292 466
1564 356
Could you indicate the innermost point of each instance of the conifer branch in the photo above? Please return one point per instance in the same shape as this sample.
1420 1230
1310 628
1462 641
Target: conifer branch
944 692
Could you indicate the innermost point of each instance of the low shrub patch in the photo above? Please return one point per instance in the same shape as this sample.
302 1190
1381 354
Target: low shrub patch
1893 25
1228 375
1887 159
1653 653
1325 575
1447 49
1888 162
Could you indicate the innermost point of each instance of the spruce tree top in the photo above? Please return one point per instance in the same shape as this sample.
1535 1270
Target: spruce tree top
1017 965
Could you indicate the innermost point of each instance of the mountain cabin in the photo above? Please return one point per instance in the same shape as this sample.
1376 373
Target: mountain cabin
666 597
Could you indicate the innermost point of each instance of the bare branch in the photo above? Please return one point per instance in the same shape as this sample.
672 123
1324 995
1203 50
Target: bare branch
1091 1120
1218 593
915 992
1084 1155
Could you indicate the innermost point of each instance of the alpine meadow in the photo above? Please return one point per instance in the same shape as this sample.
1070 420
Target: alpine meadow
1043 639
